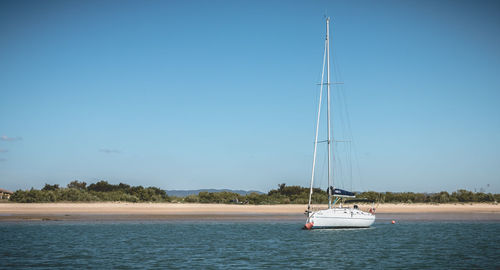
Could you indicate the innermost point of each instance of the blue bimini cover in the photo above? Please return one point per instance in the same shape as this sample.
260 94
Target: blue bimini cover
342 193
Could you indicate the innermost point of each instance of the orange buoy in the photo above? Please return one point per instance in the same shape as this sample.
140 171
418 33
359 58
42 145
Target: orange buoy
309 225
393 222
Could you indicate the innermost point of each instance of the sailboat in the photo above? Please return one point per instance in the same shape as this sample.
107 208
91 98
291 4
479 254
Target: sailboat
335 216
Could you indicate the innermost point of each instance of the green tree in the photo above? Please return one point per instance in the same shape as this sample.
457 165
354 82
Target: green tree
463 195
102 186
77 185
48 187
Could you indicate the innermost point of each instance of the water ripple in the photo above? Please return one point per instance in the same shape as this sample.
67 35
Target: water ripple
229 245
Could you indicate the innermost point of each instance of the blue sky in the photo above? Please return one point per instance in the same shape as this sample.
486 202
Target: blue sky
222 94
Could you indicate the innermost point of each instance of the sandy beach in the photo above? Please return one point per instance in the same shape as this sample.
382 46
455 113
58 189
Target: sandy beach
177 211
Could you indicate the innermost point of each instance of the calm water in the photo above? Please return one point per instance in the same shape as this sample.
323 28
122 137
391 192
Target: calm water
212 245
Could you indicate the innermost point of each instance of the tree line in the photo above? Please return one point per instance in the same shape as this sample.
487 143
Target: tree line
103 191
459 196
300 195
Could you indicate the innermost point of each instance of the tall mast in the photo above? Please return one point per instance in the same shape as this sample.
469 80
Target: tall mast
317 125
328 116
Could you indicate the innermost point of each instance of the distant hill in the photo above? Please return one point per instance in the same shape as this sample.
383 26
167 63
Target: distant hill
184 193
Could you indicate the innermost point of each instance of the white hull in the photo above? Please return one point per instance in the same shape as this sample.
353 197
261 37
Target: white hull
340 218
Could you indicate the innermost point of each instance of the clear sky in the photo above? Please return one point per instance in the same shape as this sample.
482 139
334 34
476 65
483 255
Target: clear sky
222 94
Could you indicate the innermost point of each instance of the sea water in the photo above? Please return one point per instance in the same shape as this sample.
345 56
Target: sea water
248 245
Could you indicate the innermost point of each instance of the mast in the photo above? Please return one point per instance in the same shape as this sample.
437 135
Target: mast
317 125
328 115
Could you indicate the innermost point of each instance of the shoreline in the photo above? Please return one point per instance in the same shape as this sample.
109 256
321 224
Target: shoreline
124 211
